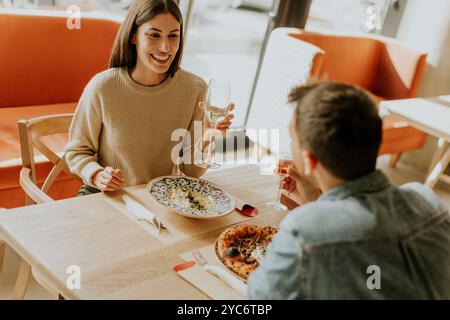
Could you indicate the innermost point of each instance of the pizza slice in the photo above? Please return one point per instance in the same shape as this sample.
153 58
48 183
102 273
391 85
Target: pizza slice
242 248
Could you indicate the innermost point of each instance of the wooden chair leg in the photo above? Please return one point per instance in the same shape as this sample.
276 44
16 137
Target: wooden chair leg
23 278
394 159
46 285
2 254
438 170
441 147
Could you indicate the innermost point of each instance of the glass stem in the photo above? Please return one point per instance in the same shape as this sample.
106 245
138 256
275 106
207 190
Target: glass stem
178 167
280 189
209 158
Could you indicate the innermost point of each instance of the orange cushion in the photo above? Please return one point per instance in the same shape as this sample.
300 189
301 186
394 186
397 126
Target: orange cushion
55 63
400 137
383 65
12 195
348 59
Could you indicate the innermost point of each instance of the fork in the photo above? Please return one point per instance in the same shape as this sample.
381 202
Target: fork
236 284
199 258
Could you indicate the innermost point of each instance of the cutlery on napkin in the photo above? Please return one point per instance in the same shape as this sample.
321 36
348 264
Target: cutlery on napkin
228 278
209 286
142 213
238 285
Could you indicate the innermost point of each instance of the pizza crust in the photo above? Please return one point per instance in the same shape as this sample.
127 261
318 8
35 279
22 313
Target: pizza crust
245 238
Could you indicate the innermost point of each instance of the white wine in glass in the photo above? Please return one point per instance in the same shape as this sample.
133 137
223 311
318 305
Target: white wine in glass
217 107
215 114
282 167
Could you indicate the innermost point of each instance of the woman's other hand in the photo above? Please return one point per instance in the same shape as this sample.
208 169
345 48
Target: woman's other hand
109 179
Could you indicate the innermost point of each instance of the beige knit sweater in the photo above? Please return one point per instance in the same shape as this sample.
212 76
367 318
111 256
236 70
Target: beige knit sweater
128 126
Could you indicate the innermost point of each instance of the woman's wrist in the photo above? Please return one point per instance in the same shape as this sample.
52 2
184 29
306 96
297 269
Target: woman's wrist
94 179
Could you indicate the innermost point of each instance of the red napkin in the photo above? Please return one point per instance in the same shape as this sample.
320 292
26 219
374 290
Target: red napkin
245 208
183 266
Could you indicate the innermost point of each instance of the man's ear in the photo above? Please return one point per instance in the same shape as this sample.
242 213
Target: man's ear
309 162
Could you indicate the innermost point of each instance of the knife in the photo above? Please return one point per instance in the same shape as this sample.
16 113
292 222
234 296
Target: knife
238 285
141 212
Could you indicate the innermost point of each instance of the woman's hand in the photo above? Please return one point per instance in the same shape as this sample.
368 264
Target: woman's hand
301 188
108 179
223 125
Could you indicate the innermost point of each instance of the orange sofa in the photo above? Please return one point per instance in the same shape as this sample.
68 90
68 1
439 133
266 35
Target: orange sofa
44 67
384 66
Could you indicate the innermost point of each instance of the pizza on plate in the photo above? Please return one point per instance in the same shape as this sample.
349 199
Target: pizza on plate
242 248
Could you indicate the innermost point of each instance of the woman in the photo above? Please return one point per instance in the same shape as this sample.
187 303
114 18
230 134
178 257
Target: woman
121 131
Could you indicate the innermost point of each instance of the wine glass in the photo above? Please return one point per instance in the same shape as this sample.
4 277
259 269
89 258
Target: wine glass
179 161
281 169
217 107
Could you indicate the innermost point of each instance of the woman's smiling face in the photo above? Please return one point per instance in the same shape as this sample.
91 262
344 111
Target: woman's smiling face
157 42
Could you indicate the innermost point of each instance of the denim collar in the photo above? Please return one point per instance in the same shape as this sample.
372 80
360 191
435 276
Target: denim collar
371 182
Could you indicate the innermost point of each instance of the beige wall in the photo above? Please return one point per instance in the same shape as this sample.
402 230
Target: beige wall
426 26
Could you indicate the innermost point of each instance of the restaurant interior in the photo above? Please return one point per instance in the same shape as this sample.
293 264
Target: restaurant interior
395 50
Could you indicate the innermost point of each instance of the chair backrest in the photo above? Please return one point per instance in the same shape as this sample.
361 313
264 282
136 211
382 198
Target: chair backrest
42 61
400 70
31 133
384 66
287 63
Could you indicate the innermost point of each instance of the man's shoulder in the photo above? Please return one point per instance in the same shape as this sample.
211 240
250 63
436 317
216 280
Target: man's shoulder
421 194
363 217
329 221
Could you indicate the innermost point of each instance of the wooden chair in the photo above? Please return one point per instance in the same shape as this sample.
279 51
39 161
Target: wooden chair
31 133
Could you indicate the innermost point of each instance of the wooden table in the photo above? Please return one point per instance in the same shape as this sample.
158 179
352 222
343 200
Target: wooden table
431 115
118 259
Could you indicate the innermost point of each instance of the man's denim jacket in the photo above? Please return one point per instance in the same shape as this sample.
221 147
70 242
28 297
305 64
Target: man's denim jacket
366 239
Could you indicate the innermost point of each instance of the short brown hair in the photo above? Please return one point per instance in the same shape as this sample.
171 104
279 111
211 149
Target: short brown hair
124 52
340 125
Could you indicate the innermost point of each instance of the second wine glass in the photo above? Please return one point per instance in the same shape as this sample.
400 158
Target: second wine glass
281 169
217 107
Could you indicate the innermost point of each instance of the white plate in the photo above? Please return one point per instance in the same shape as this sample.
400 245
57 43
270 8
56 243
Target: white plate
216 201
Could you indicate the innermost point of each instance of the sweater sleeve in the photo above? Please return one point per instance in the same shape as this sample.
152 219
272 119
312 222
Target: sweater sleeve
194 146
84 134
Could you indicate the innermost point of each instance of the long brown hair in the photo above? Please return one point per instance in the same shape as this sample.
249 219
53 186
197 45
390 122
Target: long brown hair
124 52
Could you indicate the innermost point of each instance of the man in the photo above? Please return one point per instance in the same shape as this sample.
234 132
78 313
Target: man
363 238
